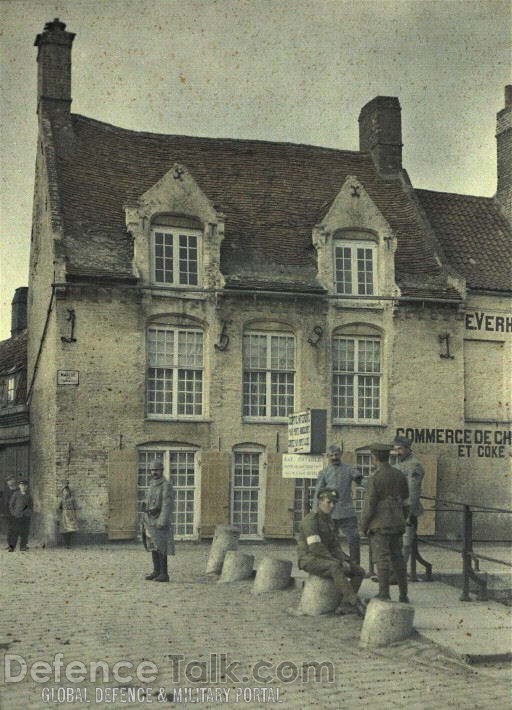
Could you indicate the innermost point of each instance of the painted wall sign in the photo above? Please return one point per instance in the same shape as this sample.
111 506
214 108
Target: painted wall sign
67 377
478 320
302 465
483 443
307 432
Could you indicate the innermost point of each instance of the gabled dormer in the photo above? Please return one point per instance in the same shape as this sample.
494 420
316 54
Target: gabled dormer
177 233
355 247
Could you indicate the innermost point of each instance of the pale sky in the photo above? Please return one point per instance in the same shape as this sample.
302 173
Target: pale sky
284 70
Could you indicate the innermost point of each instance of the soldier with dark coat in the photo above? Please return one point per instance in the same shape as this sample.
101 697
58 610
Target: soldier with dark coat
157 532
383 520
320 553
20 507
10 490
68 514
407 462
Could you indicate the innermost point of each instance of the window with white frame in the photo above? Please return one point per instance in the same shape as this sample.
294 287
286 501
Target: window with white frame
7 390
180 470
269 375
175 256
356 379
245 492
175 372
355 272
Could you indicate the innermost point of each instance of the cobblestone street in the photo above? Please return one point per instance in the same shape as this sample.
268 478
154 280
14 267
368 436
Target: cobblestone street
93 604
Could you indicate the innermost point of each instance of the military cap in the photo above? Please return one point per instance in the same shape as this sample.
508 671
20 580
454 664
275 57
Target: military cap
156 465
329 493
24 481
402 441
378 447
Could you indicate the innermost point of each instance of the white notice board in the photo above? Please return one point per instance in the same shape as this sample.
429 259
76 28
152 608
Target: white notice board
302 465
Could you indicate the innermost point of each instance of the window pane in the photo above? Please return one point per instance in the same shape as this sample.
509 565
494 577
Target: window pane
369 355
161 347
188 259
255 352
282 352
364 271
281 394
343 269
343 355
190 392
190 348
159 390
254 394
163 253
368 399
343 396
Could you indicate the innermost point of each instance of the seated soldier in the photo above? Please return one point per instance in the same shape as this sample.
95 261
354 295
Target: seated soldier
320 553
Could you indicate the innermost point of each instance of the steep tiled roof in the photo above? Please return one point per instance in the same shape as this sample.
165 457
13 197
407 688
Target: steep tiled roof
272 195
13 359
475 236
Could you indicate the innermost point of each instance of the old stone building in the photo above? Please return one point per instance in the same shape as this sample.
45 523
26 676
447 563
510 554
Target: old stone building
187 294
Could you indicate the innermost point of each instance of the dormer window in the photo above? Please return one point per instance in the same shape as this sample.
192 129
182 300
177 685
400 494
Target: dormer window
355 268
175 256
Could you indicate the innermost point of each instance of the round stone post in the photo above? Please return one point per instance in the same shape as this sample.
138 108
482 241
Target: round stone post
272 574
224 539
386 622
319 596
237 565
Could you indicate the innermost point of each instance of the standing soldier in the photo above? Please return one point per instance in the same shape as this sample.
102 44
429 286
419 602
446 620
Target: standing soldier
383 520
11 489
339 476
67 509
406 462
20 507
320 553
157 533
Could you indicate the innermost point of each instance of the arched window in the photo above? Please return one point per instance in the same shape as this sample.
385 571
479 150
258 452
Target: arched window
356 375
174 382
268 373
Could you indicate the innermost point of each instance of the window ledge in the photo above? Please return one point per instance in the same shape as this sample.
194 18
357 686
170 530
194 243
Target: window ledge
354 302
338 422
195 420
262 420
189 292
487 421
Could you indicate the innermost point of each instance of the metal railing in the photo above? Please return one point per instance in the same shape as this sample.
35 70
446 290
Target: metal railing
470 559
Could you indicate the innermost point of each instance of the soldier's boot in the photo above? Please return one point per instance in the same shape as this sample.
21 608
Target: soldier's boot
163 576
156 566
383 575
354 550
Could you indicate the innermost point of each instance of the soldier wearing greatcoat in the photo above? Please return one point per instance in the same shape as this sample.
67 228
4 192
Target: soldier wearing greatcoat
157 531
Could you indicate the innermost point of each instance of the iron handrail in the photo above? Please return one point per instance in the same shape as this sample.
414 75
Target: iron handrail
481 508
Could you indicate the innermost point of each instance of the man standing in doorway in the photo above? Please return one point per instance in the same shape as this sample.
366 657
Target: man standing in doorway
338 476
405 461
157 532
10 490
20 508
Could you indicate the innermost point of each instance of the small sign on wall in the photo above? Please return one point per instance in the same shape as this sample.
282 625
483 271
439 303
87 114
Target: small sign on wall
307 432
302 465
67 377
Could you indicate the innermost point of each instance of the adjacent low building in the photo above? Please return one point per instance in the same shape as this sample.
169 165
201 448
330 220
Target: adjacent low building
187 294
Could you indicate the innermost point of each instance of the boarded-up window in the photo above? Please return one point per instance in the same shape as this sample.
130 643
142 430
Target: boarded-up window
483 379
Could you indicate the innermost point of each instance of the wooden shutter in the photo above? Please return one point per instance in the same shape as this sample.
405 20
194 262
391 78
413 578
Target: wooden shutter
279 500
215 480
122 494
427 521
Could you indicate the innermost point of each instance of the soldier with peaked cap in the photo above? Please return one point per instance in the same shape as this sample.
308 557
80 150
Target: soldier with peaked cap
320 553
339 476
406 462
383 520
157 533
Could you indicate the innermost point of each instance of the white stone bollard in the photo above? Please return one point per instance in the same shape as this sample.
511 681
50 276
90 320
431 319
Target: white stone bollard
237 566
319 596
386 622
224 539
272 574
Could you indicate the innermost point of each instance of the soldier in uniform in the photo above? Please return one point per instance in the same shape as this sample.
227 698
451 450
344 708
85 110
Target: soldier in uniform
320 553
20 508
406 462
339 476
383 520
10 490
157 533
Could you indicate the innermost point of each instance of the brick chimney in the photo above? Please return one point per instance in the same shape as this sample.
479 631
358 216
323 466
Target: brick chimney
504 141
54 69
19 311
380 134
